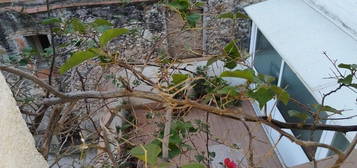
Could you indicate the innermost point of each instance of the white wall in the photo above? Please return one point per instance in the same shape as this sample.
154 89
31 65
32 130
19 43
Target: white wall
17 146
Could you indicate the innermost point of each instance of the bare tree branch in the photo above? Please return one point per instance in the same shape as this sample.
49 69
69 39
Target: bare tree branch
32 78
347 152
165 139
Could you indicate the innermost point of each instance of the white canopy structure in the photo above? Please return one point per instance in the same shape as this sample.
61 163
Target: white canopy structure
300 32
342 13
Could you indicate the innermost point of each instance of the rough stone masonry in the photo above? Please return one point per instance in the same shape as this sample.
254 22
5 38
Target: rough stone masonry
148 18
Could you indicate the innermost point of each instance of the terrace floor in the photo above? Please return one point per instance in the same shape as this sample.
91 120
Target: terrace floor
230 133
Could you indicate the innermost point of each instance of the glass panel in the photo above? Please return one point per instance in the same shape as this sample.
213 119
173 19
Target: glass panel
299 92
266 61
340 142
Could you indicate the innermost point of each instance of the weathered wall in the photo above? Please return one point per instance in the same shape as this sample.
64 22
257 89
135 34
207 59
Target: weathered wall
183 44
35 6
11 26
219 32
146 18
17 146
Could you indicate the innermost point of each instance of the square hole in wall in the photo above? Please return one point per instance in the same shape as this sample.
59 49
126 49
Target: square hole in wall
39 43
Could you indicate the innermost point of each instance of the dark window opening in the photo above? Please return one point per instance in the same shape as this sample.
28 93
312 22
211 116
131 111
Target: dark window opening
39 43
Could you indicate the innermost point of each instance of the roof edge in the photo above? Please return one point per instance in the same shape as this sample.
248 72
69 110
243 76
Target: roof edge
341 22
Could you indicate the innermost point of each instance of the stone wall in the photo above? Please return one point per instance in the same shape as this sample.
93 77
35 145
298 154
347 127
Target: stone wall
146 18
219 32
35 6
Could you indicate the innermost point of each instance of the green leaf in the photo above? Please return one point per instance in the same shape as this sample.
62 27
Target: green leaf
320 108
102 29
228 90
354 85
174 151
193 165
101 25
232 51
212 60
192 19
175 139
101 22
181 126
348 66
331 109
78 25
199 157
247 74
179 78
230 63
181 5
281 94
76 59
110 34
297 114
264 79
56 29
212 154
152 153
199 4
232 54
262 95
24 61
97 51
51 20
347 80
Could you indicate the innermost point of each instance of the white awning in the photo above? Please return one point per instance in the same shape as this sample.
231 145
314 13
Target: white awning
342 13
300 34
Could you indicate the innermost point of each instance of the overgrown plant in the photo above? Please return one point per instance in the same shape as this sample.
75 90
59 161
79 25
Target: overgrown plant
92 62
